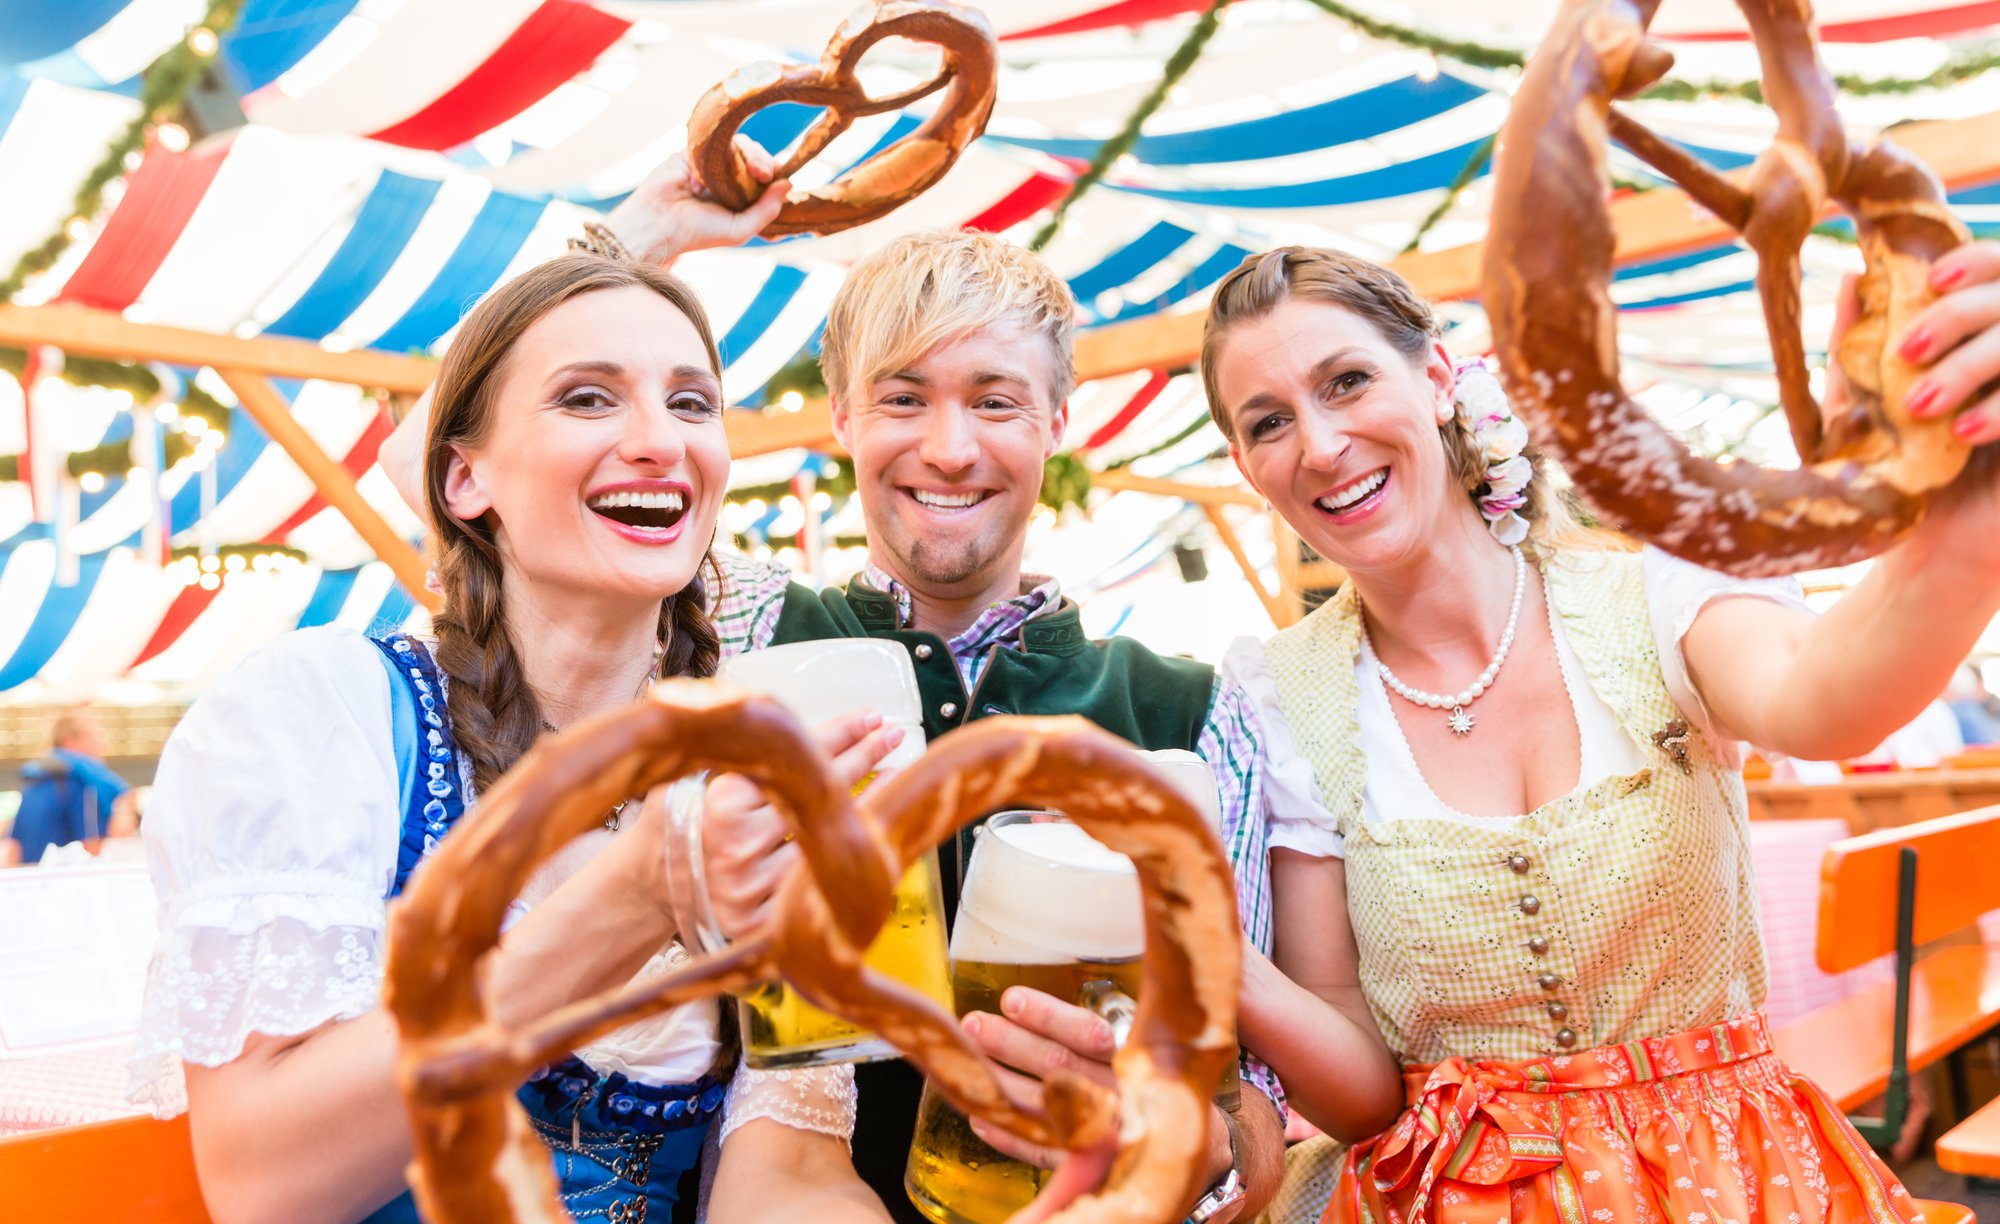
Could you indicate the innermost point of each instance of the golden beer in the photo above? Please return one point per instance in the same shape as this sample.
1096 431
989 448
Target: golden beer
781 1029
1044 906
817 681
953 1175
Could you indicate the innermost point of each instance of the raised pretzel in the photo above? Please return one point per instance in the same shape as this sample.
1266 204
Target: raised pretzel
891 177
478 1160
1548 266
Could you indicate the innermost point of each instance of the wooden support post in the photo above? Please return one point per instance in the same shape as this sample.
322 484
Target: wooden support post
268 408
1275 606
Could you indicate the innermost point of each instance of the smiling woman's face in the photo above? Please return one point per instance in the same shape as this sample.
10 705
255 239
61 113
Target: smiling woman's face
604 464
1339 431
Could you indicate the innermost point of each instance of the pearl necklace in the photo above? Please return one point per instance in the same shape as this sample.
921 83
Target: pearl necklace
1459 720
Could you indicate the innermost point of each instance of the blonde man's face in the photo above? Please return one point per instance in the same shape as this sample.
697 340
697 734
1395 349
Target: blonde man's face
948 454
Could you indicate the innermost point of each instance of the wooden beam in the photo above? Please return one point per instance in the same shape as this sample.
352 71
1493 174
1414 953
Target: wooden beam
102 333
1119 481
268 408
754 432
1277 607
1650 225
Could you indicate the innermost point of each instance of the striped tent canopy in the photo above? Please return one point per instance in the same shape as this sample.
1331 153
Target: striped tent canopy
395 159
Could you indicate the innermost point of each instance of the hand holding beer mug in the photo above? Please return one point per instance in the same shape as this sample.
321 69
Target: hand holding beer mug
819 682
1047 908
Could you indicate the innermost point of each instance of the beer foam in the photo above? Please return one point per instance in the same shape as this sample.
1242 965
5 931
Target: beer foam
821 680
1046 892
1191 776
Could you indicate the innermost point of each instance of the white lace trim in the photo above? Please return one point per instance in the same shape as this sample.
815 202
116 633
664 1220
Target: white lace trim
210 987
817 1099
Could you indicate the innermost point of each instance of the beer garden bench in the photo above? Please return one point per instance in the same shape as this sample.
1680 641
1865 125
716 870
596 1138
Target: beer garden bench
136 1169
1885 893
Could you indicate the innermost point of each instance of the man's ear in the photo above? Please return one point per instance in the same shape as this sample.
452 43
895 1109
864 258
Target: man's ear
1058 426
464 496
839 419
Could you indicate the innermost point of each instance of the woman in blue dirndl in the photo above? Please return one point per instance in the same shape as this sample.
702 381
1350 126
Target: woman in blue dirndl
575 468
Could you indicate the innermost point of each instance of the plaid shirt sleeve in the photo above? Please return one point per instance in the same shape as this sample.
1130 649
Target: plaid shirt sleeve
1231 744
745 606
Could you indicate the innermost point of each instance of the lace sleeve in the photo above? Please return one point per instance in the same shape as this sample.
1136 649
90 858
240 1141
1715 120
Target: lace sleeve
271 841
817 1099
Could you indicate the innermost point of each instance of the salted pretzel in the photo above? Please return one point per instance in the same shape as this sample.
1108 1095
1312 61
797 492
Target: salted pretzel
891 177
1548 268
478 1160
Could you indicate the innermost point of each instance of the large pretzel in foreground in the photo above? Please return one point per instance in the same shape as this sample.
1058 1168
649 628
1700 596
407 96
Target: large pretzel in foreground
478 1160
891 177
1547 291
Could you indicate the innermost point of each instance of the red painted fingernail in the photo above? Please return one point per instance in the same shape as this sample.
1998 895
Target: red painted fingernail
1921 399
1946 277
1913 345
1967 425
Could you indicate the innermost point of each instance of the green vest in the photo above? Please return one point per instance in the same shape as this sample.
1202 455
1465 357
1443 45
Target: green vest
1118 684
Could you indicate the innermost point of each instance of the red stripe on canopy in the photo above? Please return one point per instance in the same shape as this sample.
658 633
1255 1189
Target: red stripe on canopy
1130 412
1018 205
189 604
1925 23
1125 13
193 601
557 41
162 194
357 463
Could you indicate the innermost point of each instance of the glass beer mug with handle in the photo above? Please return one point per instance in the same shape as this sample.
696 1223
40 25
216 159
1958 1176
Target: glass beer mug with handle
1046 906
817 681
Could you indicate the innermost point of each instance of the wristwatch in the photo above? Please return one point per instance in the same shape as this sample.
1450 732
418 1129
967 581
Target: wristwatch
1228 1192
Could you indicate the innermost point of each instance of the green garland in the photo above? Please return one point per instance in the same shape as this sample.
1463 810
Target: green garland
246 551
1459 182
165 86
1111 150
1961 66
138 381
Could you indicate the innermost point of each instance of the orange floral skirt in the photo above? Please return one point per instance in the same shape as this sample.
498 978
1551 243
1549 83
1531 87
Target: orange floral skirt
1701 1127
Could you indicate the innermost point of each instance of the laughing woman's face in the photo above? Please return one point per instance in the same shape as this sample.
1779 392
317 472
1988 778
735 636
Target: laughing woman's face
604 468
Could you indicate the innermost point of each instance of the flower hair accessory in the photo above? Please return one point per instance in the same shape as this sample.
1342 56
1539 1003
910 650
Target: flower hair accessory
1500 436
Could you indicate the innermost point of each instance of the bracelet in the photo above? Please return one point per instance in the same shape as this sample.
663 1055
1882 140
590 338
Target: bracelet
599 240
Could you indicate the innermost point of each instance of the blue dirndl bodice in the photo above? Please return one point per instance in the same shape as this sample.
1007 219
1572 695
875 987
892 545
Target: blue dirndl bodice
620 1146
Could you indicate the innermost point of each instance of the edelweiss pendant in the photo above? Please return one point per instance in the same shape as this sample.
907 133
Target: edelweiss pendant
1459 720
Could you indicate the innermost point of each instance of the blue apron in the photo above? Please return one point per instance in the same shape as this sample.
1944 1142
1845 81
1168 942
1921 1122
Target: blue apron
619 1146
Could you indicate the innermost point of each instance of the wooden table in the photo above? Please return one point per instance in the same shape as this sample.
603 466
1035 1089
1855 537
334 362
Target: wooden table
1871 801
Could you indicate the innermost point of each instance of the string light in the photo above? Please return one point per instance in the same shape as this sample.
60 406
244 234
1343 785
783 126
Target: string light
91 482
202 41
792 401
172 137
210 582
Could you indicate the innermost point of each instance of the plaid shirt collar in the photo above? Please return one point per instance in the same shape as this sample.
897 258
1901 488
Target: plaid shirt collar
999 625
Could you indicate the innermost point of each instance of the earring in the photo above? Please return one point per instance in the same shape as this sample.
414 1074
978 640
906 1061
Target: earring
1446 410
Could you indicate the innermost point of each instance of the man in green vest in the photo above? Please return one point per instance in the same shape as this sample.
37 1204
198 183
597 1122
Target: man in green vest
947 356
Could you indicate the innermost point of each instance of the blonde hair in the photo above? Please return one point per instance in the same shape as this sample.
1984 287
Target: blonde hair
936 286
1402 316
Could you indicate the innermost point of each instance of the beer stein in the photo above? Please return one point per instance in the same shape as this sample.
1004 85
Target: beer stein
1045 906
817 681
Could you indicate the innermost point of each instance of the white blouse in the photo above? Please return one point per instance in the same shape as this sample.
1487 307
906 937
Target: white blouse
272 837
1676 592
